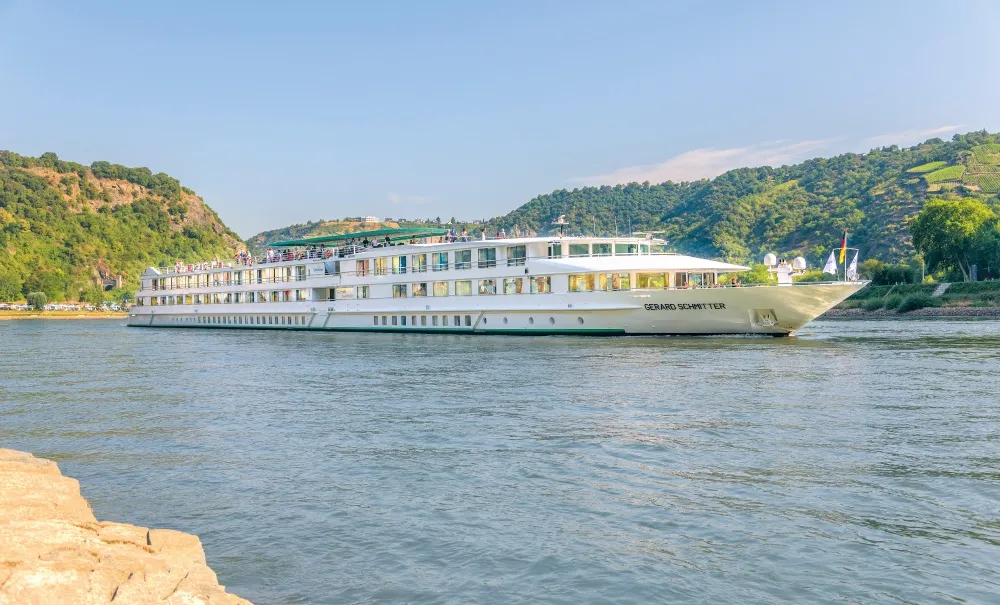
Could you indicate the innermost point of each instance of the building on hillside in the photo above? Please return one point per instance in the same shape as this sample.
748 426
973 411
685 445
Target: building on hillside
369 219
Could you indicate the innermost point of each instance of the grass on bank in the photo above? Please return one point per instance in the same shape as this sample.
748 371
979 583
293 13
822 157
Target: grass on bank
908 297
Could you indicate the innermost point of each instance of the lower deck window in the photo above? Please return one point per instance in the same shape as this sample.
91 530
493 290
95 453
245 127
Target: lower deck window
582 282
541 285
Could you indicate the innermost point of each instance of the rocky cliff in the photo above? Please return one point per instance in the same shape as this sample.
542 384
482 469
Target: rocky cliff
53 549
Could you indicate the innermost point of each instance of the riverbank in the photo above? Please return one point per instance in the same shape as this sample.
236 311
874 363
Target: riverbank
860 313
53 549
13 315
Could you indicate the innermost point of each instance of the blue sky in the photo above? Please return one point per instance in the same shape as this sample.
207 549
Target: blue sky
283 112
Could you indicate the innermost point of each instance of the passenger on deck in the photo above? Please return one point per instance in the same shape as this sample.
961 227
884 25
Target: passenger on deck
465 235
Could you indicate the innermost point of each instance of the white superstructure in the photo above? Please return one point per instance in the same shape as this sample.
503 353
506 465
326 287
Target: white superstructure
537 285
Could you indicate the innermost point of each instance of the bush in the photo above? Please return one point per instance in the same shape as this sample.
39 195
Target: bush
873 304
893 300
37 300
916 301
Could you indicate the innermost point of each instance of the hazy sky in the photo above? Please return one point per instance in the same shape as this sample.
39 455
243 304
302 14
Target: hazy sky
283 112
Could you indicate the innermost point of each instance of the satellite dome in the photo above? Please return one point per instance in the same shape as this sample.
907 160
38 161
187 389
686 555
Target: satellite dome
770 260
799 264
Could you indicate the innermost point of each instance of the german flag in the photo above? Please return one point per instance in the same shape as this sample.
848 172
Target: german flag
843 248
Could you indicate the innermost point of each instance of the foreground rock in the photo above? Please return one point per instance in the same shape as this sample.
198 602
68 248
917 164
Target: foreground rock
53 550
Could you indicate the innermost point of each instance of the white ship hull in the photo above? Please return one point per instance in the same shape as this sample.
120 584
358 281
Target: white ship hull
766 310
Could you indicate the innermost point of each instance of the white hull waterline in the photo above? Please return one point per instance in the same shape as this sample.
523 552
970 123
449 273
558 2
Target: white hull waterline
596 286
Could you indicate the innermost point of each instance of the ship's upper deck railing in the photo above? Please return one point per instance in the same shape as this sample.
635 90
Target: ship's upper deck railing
320 253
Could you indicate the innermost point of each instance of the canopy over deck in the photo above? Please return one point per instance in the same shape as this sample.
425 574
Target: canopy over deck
392 234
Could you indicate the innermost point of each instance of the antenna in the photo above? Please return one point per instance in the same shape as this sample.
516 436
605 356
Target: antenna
561 221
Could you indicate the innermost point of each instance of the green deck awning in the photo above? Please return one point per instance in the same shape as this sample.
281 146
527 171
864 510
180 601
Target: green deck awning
392 234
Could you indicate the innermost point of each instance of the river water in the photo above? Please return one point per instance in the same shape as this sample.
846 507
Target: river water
857 462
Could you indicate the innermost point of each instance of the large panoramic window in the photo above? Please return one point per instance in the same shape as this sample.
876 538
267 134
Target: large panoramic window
463 288
614 281
516 256
626 249
645 281
583 282
487 286
579 250
363 291
439 261
362 267
601 249
418 263
440 288
419 289
487 258
463 259
399 290
513 285
541 285
399 264
555 250
381 265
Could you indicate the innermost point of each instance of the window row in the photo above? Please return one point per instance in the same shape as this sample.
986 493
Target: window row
252 320
597 282
225 298
269 275
507 285
400 320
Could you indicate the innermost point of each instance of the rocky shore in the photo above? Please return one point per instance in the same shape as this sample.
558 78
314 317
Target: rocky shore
53 549
925 312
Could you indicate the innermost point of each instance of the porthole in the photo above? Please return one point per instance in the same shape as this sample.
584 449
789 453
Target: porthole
504 320
531 320
484 321
579 320
552 320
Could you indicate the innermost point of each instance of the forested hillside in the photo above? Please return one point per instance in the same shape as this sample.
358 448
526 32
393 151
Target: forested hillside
744 213
801 209
258 243
69 230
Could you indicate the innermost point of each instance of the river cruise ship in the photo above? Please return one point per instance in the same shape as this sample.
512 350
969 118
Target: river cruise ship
424 280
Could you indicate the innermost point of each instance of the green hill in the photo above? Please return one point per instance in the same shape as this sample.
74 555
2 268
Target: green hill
258 243
745 213
71 231
800 209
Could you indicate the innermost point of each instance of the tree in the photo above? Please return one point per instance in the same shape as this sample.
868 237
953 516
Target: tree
37 300
945 231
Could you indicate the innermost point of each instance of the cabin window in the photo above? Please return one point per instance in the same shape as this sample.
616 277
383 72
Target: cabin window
541 285
154 301
583 282
682 280
646 281
363 292
444 321
261 297
440 288
236 297
399 290
383 320
513 285
694 280
601 249
419 289
423 320
434 320
555 250
188 299
402 320
516 256
399 264
361 267
331 267
394 320
439 261
644 248
468 320
413 321
576 250
614 281
342 293
418 263
487 258
238 278
463 259
463 288
382 265
375 320
487 286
